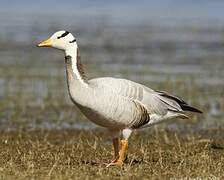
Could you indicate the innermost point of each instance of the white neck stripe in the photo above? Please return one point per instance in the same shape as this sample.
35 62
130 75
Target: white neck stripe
72 51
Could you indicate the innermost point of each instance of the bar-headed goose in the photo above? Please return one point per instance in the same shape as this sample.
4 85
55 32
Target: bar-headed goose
120 105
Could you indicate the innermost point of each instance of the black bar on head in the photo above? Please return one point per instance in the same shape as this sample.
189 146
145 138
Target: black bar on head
63 35
74 40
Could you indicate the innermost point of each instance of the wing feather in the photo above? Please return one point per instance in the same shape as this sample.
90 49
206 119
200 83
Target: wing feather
152 100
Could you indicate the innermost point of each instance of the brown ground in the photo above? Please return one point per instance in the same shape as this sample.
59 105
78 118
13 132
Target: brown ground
79 154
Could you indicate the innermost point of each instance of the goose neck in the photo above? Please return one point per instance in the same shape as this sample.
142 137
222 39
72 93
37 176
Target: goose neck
74 67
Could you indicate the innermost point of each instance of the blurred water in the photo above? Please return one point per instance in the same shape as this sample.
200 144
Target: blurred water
121 10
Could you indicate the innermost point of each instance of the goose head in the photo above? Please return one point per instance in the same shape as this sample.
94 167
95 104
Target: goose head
62 40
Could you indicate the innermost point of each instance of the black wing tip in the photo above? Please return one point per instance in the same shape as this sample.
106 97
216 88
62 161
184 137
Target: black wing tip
190 108
173 97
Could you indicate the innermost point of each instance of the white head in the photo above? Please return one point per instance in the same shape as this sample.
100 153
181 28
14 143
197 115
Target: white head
62 40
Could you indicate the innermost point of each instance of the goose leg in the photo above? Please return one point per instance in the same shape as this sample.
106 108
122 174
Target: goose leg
123 148
116 142
115 134
122 152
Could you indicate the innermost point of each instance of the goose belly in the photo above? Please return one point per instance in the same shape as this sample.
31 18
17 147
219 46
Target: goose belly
98 109
102 119
108 110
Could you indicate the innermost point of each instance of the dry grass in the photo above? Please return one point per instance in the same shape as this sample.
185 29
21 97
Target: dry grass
82 154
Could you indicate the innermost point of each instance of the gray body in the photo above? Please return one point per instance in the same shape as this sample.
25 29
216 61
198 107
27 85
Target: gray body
119 103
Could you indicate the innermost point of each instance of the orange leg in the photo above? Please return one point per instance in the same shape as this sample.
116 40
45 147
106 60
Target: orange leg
120 160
